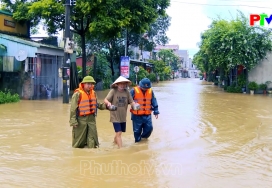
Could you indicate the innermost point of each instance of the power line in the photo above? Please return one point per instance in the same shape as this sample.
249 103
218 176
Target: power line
246 1
220 5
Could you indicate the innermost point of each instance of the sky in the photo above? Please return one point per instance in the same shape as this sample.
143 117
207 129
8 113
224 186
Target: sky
189 18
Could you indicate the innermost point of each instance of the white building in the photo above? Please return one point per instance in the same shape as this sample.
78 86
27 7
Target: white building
192 70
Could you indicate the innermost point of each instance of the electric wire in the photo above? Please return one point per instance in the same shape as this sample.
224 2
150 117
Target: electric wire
205 4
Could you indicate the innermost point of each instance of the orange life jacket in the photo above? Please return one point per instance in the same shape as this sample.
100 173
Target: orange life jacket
144 100
86 103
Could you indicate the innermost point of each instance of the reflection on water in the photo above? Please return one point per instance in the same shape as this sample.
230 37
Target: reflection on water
204 137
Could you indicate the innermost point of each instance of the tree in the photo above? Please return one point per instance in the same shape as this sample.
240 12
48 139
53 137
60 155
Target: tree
104 19
169 58
115 46
19 10
157 30
227 44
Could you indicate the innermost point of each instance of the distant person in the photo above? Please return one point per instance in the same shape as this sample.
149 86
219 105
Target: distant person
83 115
141 119
120 97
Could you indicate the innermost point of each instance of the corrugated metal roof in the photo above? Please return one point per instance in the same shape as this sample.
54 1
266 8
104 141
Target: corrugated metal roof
5 12
14 44
19 40
137 61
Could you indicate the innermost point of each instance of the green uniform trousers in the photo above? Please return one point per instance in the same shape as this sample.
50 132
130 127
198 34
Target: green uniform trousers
85 133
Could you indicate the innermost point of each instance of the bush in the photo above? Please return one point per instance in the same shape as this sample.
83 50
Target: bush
241 80
7 97
252 85
152 77
263 86
234 89
142 73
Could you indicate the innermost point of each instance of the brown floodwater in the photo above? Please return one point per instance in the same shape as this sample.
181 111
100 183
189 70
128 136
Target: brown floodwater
204 137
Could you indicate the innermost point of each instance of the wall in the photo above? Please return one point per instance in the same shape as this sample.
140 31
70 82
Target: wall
9 25
262 72
79 62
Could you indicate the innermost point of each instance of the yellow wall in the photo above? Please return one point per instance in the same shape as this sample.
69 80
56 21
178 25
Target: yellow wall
18 29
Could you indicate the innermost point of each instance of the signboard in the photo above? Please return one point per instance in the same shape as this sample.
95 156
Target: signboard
124 66
136 69
9 23
69 46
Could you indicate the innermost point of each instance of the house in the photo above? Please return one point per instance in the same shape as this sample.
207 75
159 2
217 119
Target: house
28 68
89 62
262 72
175 49
187 69
146 65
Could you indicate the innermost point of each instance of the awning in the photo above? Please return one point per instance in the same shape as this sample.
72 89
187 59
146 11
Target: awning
14 44
142 62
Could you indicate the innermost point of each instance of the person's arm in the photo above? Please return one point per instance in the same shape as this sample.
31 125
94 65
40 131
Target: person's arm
132 93
99 105
109 98
74 110
130 99
155 106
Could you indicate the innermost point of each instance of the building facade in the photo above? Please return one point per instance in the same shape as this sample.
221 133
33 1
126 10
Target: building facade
28 68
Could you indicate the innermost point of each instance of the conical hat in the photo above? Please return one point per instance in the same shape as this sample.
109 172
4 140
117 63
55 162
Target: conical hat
120 79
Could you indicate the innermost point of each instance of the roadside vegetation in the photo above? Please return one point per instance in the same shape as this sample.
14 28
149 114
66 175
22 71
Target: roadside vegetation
230 49
7 97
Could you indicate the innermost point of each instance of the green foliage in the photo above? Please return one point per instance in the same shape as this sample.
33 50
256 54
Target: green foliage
241 79
229 43
7 97
263 86
103 71
102 20
162 69
157 30
167 73
169 58
152 77
142 73
159 66
234 89
114 48
79 72
252 85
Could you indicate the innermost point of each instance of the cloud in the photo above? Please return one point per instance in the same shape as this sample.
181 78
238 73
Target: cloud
187 23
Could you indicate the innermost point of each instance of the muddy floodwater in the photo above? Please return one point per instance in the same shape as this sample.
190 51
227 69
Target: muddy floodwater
204 137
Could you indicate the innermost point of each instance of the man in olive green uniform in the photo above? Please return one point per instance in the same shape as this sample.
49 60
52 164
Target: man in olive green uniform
82 115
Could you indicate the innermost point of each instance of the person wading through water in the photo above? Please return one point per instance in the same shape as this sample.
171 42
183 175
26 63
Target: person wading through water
141 119
120 97
83 115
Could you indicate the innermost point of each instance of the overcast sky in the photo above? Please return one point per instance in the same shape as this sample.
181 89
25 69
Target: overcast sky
191 17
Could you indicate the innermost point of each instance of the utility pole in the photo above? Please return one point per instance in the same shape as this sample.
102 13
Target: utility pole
126 42
66 59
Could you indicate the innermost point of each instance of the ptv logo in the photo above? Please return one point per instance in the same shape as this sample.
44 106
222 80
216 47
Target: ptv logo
262 18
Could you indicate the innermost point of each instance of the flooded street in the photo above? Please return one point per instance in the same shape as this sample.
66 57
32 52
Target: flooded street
204 137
